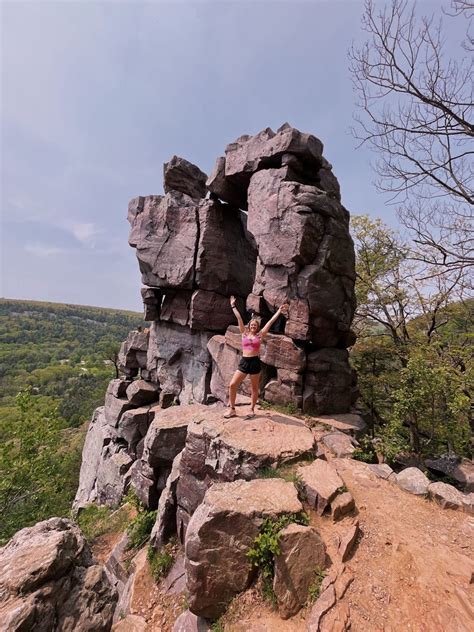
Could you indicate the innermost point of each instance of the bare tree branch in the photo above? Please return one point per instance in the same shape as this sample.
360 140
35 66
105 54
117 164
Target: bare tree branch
416 113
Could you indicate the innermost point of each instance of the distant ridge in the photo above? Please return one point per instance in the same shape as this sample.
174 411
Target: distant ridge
4 299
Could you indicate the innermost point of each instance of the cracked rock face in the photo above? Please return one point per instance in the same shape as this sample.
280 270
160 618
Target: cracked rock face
292 245
218 450
221 532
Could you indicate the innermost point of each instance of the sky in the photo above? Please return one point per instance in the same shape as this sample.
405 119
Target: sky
96 96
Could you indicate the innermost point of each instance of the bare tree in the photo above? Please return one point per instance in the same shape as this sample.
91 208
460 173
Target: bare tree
417 114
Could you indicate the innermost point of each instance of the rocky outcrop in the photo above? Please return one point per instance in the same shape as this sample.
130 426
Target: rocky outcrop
459 470
292 245
218 450
221 532
114 443
320 483
49 581
447 496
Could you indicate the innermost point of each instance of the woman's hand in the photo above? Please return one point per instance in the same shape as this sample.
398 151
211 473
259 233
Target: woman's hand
232 301
283 309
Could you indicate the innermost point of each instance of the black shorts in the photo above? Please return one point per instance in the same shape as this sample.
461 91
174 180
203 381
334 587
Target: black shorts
251 366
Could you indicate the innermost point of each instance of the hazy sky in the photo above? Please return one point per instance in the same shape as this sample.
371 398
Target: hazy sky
97 95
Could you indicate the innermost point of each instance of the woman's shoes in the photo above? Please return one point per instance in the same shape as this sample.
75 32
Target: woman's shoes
249 416
230 414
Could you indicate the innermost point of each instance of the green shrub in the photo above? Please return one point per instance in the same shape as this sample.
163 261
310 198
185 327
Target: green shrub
95 520
266 546
139 529
160 561
315 586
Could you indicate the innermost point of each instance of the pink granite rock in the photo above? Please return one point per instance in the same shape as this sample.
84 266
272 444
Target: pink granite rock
221 532
165 236
301 551
320 483
181 175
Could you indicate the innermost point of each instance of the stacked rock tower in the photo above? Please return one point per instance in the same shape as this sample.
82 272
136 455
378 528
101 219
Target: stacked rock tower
267 226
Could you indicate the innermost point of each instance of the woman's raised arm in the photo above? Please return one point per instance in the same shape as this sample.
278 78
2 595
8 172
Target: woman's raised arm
237 315
281 310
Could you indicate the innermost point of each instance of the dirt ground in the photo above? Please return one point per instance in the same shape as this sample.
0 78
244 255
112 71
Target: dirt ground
413 566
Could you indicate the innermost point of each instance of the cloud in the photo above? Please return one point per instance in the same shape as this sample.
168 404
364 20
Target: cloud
85 233
43 250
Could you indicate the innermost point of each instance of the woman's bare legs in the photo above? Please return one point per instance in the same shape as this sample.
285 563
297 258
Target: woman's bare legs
255 388
235 382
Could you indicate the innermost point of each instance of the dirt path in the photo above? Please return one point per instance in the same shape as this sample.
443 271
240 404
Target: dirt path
413 566
414 563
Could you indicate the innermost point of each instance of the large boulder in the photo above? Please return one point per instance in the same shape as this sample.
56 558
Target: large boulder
412 480
49 581
164 232
167 433
181 175
219 450
301 552
447 496
141 392
221 532
132 354
456 468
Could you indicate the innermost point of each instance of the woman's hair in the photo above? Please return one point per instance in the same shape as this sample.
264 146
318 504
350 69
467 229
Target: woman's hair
254 320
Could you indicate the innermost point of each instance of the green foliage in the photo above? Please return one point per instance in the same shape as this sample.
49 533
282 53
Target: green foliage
217 626
288 475
57 358
414 355
39 463
61 351
95 520
430 410
132 499
366 452
160 561
140 528
266 546
315 586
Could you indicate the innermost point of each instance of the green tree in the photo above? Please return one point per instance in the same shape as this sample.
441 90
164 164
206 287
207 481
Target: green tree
414 350
38 466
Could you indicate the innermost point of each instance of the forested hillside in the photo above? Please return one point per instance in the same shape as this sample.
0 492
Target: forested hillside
55 363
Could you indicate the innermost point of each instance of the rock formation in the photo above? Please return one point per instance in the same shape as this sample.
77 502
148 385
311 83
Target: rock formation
267 227
48 581
273 231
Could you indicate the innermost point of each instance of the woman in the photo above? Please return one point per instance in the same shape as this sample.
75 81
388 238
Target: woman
250 361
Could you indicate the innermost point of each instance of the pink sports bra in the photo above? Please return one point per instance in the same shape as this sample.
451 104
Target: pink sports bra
250 344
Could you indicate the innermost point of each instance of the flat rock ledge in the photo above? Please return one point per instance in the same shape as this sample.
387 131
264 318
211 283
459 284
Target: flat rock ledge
221 532
220 450
48 581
